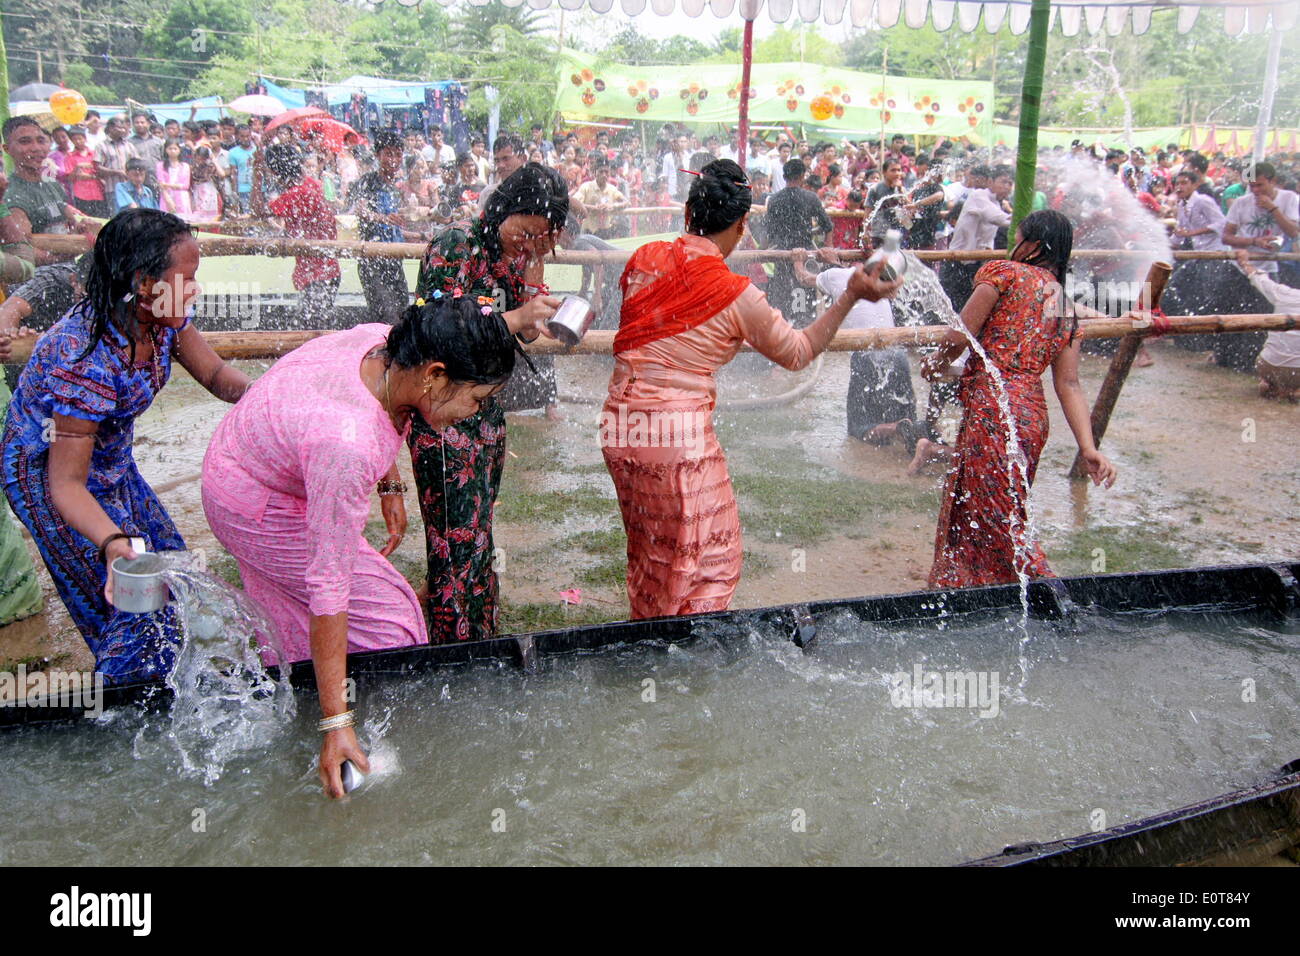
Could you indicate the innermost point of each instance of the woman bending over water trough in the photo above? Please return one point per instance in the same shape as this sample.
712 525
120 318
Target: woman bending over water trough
1020 316
291 472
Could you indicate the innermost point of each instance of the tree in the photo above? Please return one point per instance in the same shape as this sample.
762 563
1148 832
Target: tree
474 25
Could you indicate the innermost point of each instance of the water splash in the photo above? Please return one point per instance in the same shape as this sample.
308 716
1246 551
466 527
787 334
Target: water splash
226 704
1105 215
924 302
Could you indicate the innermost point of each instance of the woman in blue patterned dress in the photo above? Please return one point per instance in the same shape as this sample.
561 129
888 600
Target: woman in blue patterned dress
68 470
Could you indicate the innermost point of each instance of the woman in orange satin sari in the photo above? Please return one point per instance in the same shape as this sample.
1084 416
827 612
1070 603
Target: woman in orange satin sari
684 316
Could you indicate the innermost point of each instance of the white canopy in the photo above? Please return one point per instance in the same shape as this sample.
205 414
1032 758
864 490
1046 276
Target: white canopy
1096 16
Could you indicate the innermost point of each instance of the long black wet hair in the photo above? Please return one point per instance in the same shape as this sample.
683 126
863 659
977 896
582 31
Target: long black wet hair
1055 237
134 246
531 190
476 349
719 197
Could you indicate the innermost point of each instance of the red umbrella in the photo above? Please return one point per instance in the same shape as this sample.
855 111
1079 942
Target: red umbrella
330 133
292 116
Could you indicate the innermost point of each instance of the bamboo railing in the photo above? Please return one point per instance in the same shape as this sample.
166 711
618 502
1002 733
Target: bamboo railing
279 246
264 344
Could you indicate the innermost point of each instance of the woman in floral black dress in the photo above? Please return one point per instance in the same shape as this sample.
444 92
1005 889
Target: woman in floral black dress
497 259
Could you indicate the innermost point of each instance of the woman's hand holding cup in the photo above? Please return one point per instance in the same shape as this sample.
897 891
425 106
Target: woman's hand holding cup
531 317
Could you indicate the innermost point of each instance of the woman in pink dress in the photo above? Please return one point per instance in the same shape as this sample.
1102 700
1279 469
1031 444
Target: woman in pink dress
684 316
173 176
289 477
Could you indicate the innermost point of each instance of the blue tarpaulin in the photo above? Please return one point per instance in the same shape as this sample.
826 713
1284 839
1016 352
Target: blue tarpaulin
381 92
207 110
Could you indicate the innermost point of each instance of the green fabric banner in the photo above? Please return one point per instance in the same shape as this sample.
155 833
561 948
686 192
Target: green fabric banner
1149 138
830 99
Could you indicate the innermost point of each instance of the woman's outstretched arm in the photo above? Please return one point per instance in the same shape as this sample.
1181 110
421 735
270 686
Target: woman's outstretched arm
1065 379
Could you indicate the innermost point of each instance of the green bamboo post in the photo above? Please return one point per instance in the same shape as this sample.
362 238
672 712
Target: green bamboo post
1031 95
4 87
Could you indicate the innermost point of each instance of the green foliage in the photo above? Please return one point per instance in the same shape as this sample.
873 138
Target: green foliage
629 45
77 76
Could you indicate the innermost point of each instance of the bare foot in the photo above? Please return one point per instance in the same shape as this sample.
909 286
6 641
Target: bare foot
1266 389
926 452
553 413
1144 359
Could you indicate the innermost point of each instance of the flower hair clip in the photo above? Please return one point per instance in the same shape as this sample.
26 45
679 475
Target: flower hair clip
420 303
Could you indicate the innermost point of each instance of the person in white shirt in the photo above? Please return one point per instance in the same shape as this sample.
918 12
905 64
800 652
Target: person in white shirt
443 154
1263 219
782 154
1278 365
982 214
672 162
601 201
478 152
1263 216
95 133
756 161
880 380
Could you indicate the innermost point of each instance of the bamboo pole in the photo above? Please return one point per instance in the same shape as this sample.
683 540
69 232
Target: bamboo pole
1031 95
282 247
272 344
1122 363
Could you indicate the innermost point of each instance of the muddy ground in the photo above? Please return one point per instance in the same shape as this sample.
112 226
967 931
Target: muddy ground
1208 475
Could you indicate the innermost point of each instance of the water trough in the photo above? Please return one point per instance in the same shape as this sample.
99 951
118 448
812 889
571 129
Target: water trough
1260 818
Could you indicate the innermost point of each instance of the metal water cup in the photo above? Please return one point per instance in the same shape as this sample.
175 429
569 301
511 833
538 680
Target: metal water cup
571 320
138 585
350 776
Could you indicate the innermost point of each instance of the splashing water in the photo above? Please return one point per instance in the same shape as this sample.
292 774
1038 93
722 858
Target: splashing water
226 705
923 302
1105 215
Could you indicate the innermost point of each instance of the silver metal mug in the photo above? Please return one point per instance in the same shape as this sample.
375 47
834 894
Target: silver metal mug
571 320
138 585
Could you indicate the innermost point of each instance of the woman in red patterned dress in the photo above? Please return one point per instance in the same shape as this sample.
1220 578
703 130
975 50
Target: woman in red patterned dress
1024 323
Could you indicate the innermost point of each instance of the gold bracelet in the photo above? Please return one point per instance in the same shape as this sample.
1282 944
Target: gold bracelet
339 721
390 487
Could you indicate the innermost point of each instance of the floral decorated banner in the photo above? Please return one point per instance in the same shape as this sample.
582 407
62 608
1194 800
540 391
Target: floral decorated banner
780 93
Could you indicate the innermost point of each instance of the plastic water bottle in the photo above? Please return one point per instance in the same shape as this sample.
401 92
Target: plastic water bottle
891 253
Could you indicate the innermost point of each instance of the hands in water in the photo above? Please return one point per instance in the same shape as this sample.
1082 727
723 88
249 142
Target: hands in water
530 318
338 746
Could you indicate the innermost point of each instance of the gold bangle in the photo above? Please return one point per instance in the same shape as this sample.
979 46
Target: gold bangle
339 721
